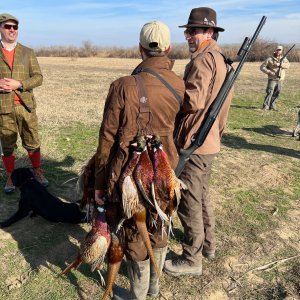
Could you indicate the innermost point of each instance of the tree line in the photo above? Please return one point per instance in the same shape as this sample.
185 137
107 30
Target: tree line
260 51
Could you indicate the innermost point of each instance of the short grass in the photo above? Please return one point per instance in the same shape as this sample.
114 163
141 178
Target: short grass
254 186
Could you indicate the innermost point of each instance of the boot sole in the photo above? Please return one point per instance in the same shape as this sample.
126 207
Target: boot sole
183 273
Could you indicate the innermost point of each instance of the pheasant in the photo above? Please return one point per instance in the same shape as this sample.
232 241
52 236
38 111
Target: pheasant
167 187
85 186
95 245
132 199
114 259
143 175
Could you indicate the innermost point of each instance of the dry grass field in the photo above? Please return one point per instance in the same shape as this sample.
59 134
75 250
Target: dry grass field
255 188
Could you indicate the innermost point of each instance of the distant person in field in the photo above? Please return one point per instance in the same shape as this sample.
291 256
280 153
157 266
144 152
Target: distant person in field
139 105
275 68
204 76
19 74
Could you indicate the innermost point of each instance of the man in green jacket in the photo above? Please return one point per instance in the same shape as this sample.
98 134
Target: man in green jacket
19 74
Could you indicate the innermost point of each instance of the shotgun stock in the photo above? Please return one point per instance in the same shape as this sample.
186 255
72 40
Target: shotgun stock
217 104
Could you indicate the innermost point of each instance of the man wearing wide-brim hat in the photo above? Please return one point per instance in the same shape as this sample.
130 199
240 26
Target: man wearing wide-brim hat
204 76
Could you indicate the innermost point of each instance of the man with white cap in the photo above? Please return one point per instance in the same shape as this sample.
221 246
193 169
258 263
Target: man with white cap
126 115
275 68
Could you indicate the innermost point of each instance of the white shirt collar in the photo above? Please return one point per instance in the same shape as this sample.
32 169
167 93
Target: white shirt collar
11 48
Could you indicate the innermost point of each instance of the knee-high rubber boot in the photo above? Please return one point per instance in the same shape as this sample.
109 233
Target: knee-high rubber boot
160 256
139 275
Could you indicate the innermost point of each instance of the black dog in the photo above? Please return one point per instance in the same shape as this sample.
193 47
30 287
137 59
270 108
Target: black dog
35 198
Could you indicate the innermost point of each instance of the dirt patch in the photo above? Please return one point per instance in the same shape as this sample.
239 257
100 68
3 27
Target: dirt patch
263 173
218 295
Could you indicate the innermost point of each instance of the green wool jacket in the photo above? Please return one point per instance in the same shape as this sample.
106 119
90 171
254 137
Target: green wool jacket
25 69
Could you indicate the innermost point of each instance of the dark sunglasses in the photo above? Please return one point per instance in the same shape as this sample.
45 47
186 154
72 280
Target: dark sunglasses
191 31
10 26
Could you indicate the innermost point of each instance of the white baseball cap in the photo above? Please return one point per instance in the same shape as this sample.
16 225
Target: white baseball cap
279 47
155 36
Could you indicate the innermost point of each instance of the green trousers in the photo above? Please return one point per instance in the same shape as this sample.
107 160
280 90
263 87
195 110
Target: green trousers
20 122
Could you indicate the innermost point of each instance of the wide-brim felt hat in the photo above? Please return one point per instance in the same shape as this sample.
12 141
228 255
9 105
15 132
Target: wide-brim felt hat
203 17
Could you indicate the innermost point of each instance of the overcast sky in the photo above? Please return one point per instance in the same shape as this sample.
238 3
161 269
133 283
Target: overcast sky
118 22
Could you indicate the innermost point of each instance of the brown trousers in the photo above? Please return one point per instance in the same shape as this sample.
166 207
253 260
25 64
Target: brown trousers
23 122
195 210
135 247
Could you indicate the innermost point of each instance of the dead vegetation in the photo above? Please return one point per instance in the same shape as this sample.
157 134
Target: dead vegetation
260 51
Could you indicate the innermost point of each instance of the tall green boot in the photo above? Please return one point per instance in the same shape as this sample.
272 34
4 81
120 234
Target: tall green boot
139 275
160 256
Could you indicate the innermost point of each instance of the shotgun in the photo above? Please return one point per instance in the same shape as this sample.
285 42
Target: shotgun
281 60
214 109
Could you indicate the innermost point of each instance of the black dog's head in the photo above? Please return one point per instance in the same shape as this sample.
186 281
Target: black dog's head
21 175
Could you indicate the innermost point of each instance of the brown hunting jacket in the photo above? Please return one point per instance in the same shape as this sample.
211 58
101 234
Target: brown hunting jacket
119 125
25 69
204 76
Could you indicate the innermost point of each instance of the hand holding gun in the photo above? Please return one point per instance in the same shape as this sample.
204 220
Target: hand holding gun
281 61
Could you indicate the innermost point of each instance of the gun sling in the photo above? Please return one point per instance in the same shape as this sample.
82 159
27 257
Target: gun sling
171 89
